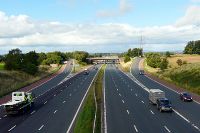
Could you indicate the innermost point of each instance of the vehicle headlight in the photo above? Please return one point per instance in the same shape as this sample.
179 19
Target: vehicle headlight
185 98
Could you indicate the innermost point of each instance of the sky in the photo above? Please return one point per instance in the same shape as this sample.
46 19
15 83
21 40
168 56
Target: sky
98 25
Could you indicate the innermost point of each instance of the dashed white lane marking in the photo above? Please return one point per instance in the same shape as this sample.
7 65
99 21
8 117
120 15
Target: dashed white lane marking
41 127
120 95
142 101
123 101
167 129
45 102
181 116
135 94
152 112
11 128
55 111
0 118
117 89
33 112
64 101
136 128
54 95
4 115
127 112
70 94
196 127
131 89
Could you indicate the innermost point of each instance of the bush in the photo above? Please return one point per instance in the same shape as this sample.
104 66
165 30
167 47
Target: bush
179 62
30 68
164 63
127 58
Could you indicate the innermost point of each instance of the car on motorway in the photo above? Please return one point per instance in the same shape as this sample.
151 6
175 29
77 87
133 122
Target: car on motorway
185 96
86 72
163 104
141 72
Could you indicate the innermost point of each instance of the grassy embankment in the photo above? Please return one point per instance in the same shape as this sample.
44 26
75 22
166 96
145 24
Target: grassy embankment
85 120
186 76
125 66
79 66
14 80
2 66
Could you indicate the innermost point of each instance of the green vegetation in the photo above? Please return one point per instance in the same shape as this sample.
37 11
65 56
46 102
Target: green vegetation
14 80
134 52
126 59
185 75
2 65
193 47
85 120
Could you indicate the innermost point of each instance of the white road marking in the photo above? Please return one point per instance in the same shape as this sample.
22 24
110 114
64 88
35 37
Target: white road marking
135 94
152 112
45 102
33 112
54 95
0 118
5 116
41 127
136 128
181 116
105 119
120 95
131 89
72 122
55 111
196 127
11 128
117 89
70 94
64 101
167 129
142 101
123 101
127 112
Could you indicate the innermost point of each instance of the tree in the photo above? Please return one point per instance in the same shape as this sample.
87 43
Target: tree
14 59
168 54
164 63
192 47
81 56
127 58
179 62
41 58
153 59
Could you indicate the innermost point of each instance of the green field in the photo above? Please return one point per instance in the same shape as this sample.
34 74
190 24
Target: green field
186 76
2 66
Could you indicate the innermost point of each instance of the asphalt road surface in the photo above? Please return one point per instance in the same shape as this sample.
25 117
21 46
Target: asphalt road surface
128 109
55 106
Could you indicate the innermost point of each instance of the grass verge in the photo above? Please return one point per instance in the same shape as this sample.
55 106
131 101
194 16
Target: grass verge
2 66
125 67
85 120
14 80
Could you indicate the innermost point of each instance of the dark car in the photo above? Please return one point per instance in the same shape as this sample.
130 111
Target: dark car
141 72
163 104
185 96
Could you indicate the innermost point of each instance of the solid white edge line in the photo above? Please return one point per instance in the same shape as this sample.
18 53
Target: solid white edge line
167 129
70 126
41 127
104 99
135 128
11 128
94 123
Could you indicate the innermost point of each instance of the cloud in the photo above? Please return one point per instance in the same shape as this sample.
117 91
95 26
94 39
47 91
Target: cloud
124 8
195 1
23 31
191 17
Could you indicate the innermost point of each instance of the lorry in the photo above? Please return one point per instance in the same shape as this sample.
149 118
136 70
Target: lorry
20 103
154 94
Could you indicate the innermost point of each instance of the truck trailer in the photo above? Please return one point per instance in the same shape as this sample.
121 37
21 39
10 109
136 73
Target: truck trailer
20 103
155 94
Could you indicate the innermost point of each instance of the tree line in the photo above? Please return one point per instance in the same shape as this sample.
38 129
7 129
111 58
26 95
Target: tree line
192 47
29 62
132 53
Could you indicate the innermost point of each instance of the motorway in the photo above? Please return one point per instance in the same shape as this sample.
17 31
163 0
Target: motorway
55 105
128 109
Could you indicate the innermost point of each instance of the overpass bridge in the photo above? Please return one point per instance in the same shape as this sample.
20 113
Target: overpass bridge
104 60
